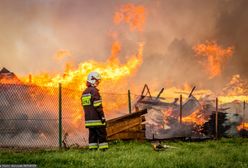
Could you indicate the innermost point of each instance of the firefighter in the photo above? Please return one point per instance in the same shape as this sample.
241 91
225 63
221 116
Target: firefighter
94 115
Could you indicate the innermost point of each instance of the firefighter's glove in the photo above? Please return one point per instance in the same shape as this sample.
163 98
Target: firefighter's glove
103 120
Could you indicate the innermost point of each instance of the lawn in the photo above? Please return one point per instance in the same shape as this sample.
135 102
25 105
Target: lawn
222 153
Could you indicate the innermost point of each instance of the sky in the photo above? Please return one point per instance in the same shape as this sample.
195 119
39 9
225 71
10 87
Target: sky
33 31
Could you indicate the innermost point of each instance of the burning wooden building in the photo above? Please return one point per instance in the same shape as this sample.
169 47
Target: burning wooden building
191 118
29 112
7 77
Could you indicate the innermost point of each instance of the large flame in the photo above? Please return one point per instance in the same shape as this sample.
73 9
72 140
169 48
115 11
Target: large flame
112 69
74 78
215 55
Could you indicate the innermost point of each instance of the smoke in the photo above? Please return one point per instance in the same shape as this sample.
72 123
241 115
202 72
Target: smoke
174 27
231 28
33 31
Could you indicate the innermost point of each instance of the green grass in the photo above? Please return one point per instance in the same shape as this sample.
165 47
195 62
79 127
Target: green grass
223 153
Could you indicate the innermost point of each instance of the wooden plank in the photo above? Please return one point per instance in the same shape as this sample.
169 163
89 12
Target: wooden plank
127 126
121 126
135 128
126 117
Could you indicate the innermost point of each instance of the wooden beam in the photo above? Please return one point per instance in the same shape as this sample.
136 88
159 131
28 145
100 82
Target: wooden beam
125 117
122 126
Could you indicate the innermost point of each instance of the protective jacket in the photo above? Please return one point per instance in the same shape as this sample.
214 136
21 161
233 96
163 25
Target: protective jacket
92 105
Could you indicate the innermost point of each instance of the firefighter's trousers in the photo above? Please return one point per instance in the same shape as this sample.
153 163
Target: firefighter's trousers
98 138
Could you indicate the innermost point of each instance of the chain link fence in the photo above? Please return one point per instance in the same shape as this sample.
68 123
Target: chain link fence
29 115
48 117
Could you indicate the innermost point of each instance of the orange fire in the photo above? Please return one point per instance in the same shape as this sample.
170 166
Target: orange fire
7 80
133 15
112 70
116 49
244 125
196 117
216 56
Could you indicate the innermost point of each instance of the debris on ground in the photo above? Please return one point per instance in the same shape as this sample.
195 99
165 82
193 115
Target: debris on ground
157 146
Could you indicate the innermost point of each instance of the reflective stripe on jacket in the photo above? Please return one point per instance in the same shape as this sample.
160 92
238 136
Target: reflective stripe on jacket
91 123
92 105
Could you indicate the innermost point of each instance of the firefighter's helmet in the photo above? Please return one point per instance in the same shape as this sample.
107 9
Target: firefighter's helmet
94 78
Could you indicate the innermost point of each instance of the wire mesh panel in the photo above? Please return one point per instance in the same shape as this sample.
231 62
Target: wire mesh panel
74 131
28 116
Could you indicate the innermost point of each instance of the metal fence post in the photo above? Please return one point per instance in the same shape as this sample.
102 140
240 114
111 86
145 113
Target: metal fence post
181 109
129 102
216 119
60 115
244 115
30 78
